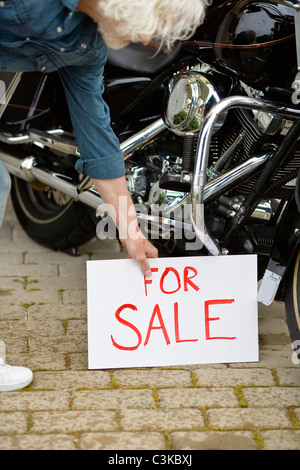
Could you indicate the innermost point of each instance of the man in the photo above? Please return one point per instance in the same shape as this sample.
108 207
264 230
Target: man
11 377
73 37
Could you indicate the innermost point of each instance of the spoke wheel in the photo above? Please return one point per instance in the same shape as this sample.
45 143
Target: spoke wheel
51 218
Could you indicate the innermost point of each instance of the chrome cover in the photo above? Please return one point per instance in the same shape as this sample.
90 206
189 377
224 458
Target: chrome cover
190 97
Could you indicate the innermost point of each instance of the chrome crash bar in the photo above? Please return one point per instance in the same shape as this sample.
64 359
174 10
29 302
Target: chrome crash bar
202 155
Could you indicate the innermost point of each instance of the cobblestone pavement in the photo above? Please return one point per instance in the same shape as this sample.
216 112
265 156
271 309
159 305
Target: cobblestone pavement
43 326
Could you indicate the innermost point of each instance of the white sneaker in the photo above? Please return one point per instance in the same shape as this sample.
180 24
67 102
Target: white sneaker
13 377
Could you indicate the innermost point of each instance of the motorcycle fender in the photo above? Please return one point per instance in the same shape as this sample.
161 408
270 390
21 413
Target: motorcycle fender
286 242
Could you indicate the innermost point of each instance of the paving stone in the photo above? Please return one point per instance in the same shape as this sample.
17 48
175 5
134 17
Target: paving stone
6 234
69 380
112 399
205 366
273 326
13 422
97 247
55 362
63 312
297 414
58 344
213 440
50 257
33 328
274 339
233 377
11 258
152 377
70 270
161 420
29 297
12 312
197 397
110 255
276 310
74 297
248 418
60 283
77 361
289 376
33 401
38 442
29 270
76 327
268 397
123 441
13 344
11 283
281 439
73 421
270 360
20 246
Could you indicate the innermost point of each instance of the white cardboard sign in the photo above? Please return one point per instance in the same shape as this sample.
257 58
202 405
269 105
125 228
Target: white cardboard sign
195 310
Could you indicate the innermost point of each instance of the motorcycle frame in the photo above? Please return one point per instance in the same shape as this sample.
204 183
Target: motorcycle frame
200 192
201 163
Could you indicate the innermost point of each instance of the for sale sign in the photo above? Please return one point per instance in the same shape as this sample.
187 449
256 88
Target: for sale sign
194 310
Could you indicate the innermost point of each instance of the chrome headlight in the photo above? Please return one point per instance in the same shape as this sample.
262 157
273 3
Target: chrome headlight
190 97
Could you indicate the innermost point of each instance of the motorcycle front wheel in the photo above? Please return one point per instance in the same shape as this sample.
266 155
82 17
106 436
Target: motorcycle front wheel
51 218
292 301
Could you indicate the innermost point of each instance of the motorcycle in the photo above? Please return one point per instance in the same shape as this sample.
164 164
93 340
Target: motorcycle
210 137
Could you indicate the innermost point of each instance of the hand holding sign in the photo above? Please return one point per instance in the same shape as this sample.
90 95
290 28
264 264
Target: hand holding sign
191 311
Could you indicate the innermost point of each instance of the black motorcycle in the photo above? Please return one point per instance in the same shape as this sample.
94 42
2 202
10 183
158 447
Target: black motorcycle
210 135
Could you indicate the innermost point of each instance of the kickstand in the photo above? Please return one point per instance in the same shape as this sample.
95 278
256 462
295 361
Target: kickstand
73 252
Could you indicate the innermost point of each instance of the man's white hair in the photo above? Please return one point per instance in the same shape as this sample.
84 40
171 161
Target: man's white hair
165 20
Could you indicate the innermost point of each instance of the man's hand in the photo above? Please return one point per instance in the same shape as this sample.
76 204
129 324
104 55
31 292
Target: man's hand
114 193
140 249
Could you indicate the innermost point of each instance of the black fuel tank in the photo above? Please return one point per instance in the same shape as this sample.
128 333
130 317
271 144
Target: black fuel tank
253 40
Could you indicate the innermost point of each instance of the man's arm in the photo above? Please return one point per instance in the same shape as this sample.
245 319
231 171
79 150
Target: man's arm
114 194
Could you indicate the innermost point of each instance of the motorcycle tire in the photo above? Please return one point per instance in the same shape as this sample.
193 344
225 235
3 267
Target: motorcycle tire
59 226
292 301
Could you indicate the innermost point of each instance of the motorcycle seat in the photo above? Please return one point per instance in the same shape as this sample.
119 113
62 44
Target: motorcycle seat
142 59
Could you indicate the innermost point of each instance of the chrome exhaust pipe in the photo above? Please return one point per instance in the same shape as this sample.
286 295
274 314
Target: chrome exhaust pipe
142 137
28 171
57 141
240 173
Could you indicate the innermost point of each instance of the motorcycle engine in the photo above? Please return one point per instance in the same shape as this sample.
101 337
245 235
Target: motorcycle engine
163 180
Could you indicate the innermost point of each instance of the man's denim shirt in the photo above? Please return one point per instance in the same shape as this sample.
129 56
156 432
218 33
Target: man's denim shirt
52 35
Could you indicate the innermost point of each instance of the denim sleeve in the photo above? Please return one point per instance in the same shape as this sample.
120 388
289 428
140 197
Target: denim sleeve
70 4
101 156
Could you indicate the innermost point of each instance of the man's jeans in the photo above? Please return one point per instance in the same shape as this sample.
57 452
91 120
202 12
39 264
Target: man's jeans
5 185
